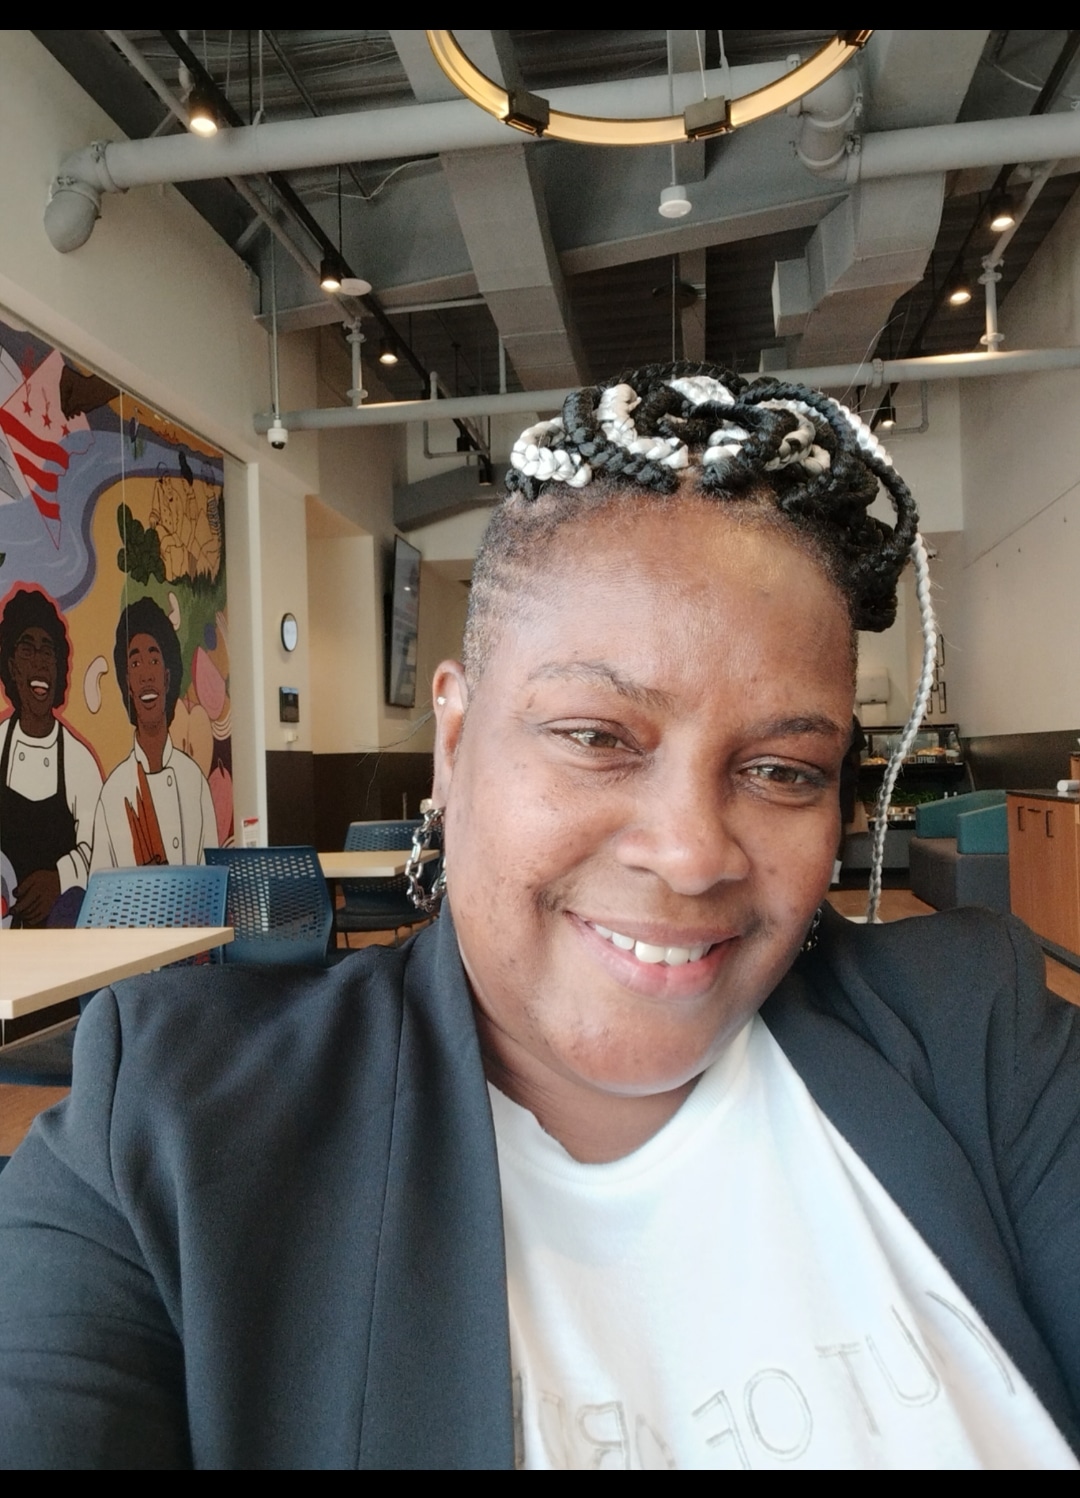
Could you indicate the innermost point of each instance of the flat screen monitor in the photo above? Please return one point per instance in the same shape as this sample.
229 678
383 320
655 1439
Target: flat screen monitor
404 621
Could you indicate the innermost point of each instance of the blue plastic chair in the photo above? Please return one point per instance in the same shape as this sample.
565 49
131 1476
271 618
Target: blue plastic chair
278 905
381 904
165 895
180 895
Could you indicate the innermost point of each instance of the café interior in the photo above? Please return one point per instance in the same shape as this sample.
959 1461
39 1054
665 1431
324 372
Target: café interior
490 267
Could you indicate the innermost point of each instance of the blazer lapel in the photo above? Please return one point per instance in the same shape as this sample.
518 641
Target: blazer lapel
438 1377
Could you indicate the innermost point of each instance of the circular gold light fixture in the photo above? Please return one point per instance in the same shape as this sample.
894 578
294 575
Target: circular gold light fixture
533 115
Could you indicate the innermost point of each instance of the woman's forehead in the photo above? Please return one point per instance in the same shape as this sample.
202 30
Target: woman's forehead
655 590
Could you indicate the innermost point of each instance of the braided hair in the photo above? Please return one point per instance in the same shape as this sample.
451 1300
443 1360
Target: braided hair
821 464
790 455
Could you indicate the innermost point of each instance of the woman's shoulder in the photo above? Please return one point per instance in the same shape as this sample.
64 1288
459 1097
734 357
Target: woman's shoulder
957 961
955 1003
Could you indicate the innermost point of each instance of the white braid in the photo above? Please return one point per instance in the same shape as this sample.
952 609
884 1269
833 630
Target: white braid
533 455
702 390
911 727
543 463
725 442
862 433
798 447
613 414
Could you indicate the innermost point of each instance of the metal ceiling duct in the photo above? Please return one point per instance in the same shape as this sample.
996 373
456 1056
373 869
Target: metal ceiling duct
428 129
874 375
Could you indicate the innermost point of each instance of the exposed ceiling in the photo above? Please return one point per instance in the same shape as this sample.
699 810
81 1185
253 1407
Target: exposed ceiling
559 250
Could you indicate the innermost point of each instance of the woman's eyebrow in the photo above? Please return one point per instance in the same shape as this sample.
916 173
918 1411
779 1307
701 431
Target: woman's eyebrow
598 673
795 727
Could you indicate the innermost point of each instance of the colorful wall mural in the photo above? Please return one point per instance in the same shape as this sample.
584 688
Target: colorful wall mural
115 721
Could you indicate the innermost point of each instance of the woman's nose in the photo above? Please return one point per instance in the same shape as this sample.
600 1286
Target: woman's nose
683 831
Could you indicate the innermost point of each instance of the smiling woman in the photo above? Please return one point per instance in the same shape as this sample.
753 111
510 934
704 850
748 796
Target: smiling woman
674 784
639 1156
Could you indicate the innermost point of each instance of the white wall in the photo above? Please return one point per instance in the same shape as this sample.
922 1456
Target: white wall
346 667
930 462
155 299
1015 606
243 533
160 305
284 582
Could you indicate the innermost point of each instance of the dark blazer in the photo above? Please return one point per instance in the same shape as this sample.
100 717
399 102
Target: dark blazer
265 1231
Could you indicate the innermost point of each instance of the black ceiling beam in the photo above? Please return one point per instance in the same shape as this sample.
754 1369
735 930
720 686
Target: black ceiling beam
1047 94
288 195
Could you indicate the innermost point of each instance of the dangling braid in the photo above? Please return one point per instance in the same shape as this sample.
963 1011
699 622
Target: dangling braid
819 463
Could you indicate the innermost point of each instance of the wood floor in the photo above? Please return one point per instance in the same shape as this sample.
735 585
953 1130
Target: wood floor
19 1106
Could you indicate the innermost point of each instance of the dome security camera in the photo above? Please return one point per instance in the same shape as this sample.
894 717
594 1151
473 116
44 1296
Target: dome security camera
277 436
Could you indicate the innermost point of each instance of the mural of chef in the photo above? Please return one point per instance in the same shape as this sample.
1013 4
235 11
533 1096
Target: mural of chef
156 805
49 779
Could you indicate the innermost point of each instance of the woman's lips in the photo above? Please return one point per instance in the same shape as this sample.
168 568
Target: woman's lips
662 967
673 956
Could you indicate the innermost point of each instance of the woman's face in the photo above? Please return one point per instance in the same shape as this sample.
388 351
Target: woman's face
642 796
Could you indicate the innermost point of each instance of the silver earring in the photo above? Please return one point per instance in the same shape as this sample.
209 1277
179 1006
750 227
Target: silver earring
431 823
811 939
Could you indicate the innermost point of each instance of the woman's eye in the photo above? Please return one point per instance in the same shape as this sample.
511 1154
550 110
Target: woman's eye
594 738
787 775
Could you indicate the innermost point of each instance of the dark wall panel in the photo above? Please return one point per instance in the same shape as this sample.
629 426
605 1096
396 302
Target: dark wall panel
290 796
366 788
1020 761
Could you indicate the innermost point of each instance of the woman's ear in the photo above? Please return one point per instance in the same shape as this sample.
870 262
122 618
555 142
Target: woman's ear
451 696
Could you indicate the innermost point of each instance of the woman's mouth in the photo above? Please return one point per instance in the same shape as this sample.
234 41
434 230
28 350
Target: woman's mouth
40 688
673 965
648 952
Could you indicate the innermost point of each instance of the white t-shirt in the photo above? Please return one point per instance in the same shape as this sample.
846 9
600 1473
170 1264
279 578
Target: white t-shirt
741 1292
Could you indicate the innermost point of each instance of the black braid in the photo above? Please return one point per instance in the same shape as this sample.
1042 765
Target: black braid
829 509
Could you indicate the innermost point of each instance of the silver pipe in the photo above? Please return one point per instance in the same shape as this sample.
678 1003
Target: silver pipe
974 143
274 388
993 338
151 76
373 135
456 124
828 113
824 376
1038 182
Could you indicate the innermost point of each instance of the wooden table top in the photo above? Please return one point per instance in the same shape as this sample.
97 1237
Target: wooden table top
369 864
39 968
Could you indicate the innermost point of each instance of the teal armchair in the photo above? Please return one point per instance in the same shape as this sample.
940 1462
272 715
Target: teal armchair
960 852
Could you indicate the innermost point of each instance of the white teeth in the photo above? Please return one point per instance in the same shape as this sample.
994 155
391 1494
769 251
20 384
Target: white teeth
646 952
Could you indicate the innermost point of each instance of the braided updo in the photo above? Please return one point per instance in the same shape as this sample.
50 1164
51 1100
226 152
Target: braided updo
772 450
822 465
